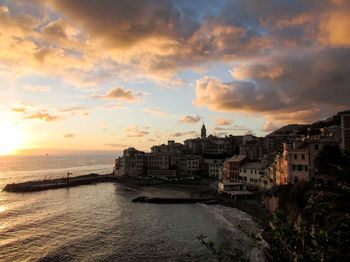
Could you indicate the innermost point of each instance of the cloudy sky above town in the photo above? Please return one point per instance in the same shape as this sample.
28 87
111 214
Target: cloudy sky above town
105 75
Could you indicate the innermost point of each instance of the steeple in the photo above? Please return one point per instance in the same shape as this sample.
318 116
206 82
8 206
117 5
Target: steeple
203 132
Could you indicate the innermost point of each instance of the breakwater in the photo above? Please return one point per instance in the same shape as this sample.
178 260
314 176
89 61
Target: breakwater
32 186
159 200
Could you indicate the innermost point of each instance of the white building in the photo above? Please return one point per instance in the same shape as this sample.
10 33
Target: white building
214 166
251 174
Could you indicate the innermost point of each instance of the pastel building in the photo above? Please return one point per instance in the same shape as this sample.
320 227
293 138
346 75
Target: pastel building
232 167
251 174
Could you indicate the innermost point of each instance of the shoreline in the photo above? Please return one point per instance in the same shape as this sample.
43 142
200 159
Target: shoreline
193 189
253 207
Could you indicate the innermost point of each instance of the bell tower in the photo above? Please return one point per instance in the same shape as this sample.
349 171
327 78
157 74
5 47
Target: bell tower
203 132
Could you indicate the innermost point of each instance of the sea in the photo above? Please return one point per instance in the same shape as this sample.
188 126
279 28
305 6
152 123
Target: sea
100 223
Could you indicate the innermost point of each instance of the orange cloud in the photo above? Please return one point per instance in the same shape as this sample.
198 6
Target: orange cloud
134 131
223 122
70 135
19 110
120 93
178 134
45 117
190 119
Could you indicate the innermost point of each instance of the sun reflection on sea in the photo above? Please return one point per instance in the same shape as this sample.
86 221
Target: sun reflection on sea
3 209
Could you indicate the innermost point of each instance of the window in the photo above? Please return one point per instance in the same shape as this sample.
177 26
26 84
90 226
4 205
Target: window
295 156
316 147
295 179
294 167
305 167
303 157
300 168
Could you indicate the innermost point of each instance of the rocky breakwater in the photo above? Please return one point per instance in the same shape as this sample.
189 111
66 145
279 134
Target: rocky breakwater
39 185
159 200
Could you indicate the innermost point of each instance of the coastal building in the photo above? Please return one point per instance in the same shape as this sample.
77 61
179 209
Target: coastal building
131 163
171 148
214 166
267 180
233 190
345 131
193 164
281 177
251 174
296 161
232 166
254 148
156 161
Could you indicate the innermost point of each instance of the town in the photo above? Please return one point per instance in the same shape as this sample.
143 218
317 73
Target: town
286 156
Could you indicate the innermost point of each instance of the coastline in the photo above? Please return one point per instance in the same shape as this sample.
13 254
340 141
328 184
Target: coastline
253 207
193 189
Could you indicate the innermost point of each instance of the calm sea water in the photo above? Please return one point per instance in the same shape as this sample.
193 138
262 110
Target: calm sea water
99 222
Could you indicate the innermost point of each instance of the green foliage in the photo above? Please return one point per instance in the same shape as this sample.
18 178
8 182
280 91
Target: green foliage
322 233
331 157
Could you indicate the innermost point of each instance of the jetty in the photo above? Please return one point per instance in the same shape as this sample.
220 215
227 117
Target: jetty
39 185
162 200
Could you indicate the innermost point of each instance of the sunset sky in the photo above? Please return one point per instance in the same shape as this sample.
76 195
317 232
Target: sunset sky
108 74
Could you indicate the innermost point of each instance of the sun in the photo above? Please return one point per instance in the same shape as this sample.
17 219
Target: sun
10 138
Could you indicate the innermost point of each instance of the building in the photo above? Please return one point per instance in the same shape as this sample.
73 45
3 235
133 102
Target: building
254 149
156 161
345 131
251 174
203 132
232 166
296 162
131 163
214 166
171 148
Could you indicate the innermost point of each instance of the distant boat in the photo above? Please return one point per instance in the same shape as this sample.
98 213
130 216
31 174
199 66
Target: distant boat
47 154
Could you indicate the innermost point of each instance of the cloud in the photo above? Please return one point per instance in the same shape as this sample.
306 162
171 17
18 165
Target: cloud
273 46
76 111
155 111
134 131
70 135
40 89
18 109
115 145
178 134
238 130
269 127
72 109
307 87
45 117
190 119
223 122
120 93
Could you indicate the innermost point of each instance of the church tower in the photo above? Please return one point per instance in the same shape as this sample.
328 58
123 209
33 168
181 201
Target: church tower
203 132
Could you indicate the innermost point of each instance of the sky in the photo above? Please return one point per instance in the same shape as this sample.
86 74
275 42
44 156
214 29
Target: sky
108 74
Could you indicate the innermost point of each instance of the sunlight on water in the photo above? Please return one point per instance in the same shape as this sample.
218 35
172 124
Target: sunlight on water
99 220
